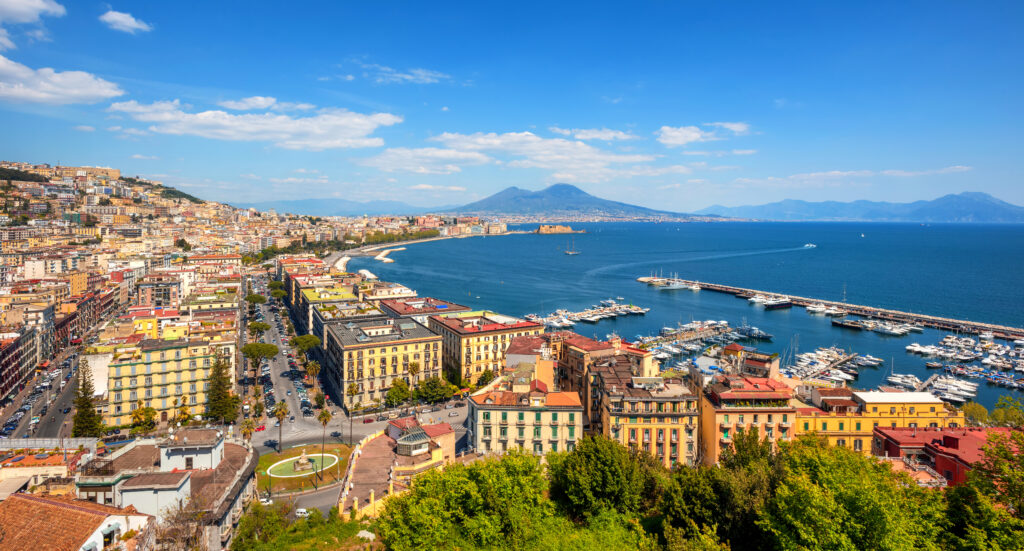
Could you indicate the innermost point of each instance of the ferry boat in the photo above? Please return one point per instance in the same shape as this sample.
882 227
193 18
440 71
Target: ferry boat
847 324
818 308
810 246
777 303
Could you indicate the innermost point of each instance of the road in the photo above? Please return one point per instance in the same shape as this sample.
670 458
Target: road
55 400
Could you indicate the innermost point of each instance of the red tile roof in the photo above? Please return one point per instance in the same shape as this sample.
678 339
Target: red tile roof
51 523
439 429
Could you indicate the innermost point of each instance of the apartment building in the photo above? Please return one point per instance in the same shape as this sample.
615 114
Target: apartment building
732 403
848 419
657 415
525 416
476 341
160 374
372 354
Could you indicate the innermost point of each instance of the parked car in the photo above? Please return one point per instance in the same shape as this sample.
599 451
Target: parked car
261 428
453 414
266 501
301 512
367 420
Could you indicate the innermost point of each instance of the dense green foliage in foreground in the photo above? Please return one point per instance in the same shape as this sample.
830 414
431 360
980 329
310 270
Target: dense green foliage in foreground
805 495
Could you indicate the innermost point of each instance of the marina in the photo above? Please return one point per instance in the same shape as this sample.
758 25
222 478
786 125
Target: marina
608 308
869 312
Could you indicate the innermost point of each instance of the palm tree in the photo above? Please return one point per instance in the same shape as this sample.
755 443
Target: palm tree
414 370
313 369
248 428
351 391
281 412
324 418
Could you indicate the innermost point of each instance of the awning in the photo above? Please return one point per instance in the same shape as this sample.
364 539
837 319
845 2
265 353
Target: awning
115 526
12 485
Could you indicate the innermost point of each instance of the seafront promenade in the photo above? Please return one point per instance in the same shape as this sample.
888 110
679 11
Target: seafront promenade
872 312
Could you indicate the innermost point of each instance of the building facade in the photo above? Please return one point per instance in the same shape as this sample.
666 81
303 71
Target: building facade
476 341
731 403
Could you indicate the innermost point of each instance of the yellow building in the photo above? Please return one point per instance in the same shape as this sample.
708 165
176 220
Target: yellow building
159 373
653 414
731 403
475 342
369 356
848 419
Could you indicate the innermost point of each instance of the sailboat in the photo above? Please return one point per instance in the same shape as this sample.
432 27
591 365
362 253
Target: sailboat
572 248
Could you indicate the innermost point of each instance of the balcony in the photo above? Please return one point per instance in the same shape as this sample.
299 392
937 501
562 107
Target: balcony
726 440
725 425
554 422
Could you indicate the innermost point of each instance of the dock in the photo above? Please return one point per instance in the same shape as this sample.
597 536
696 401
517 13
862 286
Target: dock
565 318
925 385
870 312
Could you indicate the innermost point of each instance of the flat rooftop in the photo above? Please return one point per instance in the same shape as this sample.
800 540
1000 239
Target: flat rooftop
371 332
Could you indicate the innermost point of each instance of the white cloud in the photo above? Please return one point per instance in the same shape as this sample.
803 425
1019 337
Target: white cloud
295 180
445 108
832 174
568 160
19 83
145 157
327 129
602 134
25 11
737 128
744 151
85 128
425 160
948 170
249 176
671 136
249 103
428 187
382 74
124 22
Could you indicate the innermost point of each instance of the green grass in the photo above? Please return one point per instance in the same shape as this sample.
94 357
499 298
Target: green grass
277 485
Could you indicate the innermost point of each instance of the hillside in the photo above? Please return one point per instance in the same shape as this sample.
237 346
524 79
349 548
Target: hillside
962 207
558 200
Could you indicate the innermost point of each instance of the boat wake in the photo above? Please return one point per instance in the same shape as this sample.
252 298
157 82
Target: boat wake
665 261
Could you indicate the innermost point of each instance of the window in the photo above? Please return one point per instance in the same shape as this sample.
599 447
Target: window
858 426
824 426
554 433
536 417
807 426
487 416
572 432
522 416
536 432
841 425
554 446
554 416
504 416
857 446
188 462
522 431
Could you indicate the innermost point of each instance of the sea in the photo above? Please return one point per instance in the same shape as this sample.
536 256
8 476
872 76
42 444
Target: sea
963 271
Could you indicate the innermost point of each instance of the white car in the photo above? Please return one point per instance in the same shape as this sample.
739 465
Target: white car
301 513
266 501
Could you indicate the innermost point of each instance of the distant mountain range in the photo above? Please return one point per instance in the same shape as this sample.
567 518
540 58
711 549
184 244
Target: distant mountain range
961 207
558 200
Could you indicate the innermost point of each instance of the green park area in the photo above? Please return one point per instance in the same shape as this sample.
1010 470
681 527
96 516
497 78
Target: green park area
278 472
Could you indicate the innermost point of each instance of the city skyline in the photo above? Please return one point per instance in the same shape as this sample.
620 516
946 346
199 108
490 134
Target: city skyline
675 107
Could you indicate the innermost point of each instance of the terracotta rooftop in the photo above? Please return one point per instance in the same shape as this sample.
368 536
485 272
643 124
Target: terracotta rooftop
439 429
69 522
421 306
404 423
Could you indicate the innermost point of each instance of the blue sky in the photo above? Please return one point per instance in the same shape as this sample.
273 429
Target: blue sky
673 105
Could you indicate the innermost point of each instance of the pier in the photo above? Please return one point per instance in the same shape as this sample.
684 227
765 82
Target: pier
870 312
925 385
608 309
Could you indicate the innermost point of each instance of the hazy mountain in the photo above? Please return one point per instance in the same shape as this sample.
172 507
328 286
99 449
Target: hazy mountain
339 207
962 207
557 200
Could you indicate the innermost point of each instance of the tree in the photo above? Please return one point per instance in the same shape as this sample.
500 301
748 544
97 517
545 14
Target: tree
351 391
275 285
87 422
183 245
599 474
974 521
305 343
143 419
414 371
835 498
1000 472
490 503
254 299
433 390
320 400
221 402
184 414
281 413
256 352
258 409
324 418
278 294
486 377
976 414
248 429
313 370
182 525
257 328
1008 412
397 394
